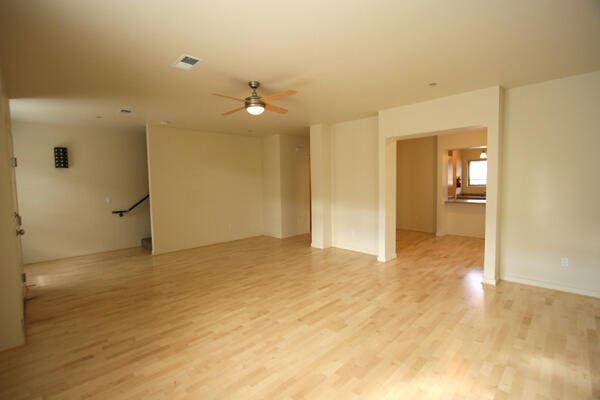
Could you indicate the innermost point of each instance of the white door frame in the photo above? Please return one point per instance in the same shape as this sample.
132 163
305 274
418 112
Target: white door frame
481 108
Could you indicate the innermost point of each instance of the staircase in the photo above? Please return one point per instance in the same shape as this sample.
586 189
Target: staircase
146 242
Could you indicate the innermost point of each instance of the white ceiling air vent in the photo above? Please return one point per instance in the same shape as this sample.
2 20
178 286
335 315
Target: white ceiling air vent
186 62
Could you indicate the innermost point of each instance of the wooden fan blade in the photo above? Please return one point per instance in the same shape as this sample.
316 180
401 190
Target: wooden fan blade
228 97
279 96
271 107
233 111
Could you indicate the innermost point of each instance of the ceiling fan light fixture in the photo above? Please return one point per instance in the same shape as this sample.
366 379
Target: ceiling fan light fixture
255 110
254 105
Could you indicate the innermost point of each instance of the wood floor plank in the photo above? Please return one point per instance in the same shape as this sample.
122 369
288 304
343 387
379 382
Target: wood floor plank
263 318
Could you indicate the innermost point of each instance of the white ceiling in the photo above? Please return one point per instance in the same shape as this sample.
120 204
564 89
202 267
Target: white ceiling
67 61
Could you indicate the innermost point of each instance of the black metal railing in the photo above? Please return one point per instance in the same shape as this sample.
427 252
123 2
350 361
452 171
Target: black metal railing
123 212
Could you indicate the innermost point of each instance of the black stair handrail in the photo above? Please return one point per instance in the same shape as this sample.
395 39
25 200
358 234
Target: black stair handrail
123 212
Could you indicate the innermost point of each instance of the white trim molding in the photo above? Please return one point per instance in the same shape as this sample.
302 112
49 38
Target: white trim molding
549 285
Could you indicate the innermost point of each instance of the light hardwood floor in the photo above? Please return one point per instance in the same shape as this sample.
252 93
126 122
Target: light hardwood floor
274 319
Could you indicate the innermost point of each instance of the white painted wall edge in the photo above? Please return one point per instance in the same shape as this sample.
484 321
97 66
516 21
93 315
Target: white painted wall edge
152 236
547 285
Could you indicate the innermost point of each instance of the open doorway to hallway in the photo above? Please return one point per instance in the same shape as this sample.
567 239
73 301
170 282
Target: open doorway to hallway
67 209
441 193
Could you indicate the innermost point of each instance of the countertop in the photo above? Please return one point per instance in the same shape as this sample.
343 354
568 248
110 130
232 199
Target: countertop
467 201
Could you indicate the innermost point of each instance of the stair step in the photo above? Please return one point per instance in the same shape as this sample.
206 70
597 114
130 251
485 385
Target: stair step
147 243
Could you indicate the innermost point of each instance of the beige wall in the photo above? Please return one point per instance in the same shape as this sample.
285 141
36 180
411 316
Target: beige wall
464 219
459 219
320 179
550 191
67 212
344 185
416 184
272 223
11 295
354 185
295 176
286 196
204 187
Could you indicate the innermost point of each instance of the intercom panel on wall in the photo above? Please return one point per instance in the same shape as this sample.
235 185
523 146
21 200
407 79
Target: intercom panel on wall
61 157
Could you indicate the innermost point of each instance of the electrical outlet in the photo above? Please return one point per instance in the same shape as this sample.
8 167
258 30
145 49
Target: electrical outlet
564 262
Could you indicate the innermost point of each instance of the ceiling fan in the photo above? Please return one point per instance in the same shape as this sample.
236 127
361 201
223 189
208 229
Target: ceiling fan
255 104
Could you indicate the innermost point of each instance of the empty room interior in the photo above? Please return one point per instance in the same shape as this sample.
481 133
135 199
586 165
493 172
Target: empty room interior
299 200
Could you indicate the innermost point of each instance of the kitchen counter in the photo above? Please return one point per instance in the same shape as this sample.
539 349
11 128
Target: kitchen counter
467 201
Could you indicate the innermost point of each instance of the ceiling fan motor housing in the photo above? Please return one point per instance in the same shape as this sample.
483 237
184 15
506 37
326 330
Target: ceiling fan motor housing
254 101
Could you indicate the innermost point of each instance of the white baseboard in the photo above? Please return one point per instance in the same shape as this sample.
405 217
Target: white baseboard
357 249
387 258
492 282
550 285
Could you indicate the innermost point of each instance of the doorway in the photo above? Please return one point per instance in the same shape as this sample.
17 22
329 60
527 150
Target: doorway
472 139
441 186
67 207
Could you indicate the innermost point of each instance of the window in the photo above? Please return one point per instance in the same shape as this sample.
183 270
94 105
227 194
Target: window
478 173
